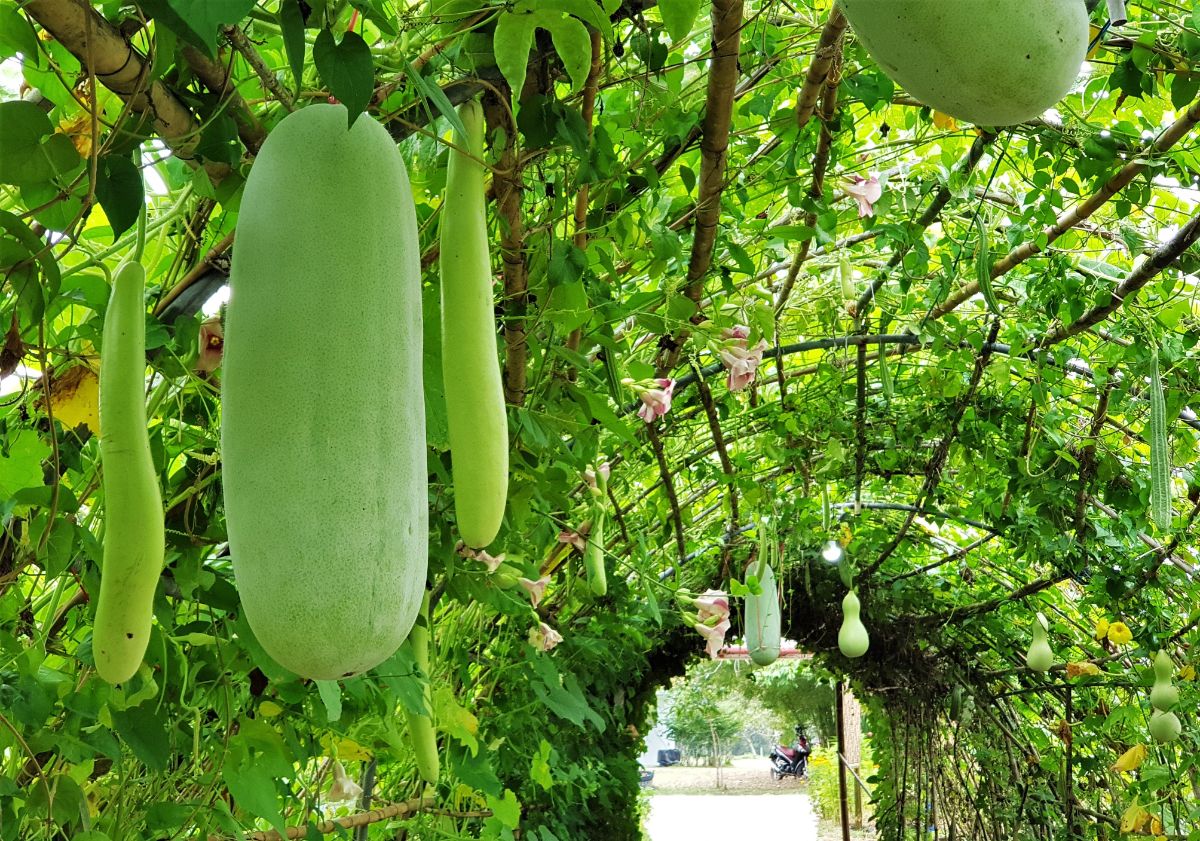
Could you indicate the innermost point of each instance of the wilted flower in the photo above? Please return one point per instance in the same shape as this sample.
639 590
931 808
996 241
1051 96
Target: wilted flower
480 555
866 191
543 637
1078 669
574 538
741 362
714 635
535 588
343 788
1131 760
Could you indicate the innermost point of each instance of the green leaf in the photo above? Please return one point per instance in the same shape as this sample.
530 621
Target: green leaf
198 21
291 24
16 35
347 69
455 719
511 43
506 809
331 696
432 93
145 731
21 463
254 792
539 769
120 191
25 158
679 16
983 267
587 11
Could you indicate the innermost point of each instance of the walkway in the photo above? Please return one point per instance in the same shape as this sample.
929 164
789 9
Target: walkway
687 817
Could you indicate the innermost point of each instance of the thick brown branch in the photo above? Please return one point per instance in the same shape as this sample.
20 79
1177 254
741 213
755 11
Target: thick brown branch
508 186
714 426
668 485
124 71
718 116
395 810
829 48
1071 218
587 111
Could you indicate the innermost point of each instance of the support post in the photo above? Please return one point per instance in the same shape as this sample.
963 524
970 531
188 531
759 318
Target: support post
841 747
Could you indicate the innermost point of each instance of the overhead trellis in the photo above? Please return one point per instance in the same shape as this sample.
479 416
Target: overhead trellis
734 262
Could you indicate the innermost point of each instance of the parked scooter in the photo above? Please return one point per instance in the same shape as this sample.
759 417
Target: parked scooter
791 762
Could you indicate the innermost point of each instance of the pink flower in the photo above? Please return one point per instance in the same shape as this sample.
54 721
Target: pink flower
741 362
589 476
714 635
212 343
574 538
481 556
712 603
535 588
866 191
543 637
656 402
737 331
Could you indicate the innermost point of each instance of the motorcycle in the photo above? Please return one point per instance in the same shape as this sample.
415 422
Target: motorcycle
791 761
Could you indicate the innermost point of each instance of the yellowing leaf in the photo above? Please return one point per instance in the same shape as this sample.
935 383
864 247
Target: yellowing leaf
1135 818
454 719
1131 760
343 747
1119 633
1077 669
75 398
944 121
1188 672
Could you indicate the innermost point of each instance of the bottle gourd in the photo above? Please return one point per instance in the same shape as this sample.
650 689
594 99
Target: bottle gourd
1040 658
134 538
1164 694
853 639
475 410
323 422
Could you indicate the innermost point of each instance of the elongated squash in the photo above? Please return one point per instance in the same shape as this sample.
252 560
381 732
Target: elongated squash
134 538
475 410
421 732
593 552
323 429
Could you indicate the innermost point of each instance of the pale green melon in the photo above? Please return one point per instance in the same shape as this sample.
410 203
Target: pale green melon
323 421
989 62
763 621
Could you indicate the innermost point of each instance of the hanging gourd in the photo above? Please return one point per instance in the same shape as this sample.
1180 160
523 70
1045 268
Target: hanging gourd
421 733
1160 454
1164 726
763 618
323 424
1040 658
853 639
1164 695
990 62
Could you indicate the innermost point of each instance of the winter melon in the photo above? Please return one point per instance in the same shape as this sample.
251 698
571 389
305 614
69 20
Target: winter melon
990 62
323 426
763 620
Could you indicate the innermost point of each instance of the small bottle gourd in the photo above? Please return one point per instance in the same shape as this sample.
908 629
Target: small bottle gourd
323 423
134 537
1040 658
853 639
475 410
1164 724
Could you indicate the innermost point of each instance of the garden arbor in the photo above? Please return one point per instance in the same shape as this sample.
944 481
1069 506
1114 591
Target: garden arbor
735 263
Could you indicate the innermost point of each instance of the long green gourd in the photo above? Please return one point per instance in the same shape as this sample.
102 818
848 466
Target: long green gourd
1040 658
763 618
323 429
421 732
593 552
475 409
134 539
1160 454
853 639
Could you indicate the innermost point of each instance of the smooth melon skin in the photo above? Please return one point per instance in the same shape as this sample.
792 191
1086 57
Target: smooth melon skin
763 621
323 427
989 62
475 411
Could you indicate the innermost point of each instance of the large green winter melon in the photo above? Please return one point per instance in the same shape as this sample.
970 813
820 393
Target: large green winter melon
323 428
763 620
990 62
